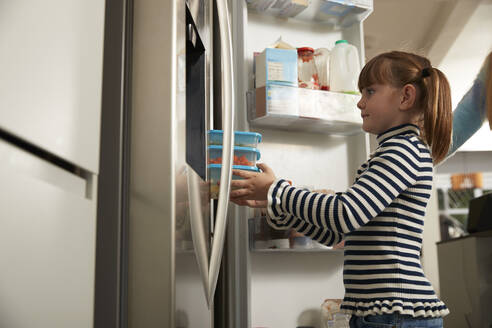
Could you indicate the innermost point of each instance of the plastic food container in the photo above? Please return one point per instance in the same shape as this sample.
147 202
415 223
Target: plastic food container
244 156
241 138
214 176
302 243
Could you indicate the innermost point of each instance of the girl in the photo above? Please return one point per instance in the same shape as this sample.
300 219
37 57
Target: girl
407 104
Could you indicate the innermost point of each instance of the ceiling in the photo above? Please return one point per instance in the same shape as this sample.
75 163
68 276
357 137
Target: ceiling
426 27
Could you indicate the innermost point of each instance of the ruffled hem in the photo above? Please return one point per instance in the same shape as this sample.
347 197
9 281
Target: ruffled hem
419 309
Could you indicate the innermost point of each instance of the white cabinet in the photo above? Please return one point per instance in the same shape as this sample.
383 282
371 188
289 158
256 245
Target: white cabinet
51 56
47 244
464 271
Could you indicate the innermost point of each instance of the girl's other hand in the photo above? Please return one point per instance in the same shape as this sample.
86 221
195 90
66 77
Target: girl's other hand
253 187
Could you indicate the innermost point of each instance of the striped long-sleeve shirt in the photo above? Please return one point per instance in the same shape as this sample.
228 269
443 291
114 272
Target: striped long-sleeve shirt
381 219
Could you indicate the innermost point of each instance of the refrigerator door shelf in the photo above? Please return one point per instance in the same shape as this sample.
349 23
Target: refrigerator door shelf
339 13
290 108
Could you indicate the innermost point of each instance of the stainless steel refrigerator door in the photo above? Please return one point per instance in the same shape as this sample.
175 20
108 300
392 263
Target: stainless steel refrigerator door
152 196
51 57
170 266
165 284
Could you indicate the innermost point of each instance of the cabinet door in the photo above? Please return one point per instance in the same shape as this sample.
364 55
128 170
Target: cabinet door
51 73
47 246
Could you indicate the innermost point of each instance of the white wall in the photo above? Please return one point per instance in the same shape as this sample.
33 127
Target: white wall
467 162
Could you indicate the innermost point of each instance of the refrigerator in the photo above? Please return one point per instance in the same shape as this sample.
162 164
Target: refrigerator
185 260
50 93
167 255
105 217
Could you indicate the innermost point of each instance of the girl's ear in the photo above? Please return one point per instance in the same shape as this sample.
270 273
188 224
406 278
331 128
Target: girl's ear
408 96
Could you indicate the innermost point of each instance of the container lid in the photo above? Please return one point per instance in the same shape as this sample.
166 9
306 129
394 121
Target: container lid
235 167
302 49
239 133
239 148
341 41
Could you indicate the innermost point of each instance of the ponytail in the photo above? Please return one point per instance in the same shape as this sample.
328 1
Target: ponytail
437 114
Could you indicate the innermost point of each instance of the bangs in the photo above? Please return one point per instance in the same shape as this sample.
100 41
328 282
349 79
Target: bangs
376 71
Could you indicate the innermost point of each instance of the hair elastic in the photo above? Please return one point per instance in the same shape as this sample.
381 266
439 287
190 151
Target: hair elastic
426 72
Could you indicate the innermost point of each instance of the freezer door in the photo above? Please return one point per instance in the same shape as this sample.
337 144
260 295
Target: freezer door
47 244
51 65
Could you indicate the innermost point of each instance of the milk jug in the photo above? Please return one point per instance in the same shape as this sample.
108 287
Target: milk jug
344 67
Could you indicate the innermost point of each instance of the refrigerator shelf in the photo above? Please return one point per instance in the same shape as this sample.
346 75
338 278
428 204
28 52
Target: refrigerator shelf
297 109
307 124
338 13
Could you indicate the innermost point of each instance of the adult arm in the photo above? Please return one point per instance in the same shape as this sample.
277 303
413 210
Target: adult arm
471 111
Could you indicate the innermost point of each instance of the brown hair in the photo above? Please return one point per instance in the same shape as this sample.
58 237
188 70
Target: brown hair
397 69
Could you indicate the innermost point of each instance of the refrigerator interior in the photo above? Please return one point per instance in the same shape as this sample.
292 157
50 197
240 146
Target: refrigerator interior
287 288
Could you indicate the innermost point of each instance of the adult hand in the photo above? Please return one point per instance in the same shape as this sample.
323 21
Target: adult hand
254 185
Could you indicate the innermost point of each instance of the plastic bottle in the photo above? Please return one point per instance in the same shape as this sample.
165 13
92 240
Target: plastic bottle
322 61
344 67
306 69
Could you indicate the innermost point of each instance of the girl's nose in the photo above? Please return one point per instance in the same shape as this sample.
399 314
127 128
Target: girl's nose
361 103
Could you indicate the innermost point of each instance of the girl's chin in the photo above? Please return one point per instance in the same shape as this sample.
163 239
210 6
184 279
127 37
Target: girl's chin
366 128
371 130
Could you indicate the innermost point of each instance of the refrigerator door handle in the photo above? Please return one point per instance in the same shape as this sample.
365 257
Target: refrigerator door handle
197 228
228 142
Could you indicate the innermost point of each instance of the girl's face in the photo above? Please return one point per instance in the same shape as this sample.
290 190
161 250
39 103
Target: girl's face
379 108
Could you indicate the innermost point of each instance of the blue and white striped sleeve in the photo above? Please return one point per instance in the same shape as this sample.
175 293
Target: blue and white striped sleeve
322 236
395 167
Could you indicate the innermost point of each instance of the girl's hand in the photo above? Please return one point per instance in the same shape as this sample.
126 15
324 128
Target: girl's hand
325 191
251 203
253 187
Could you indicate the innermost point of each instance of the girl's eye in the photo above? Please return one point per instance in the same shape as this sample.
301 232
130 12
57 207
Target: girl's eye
370 91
